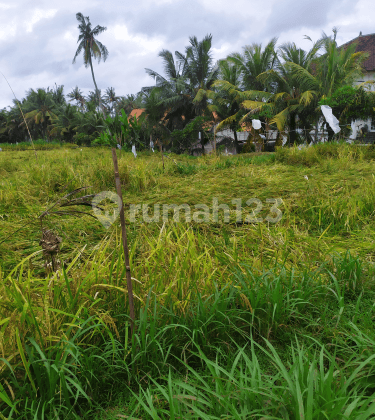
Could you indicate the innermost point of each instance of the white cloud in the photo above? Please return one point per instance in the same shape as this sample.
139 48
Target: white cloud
38 15
4 6
38 41
222 52
144 44
8 30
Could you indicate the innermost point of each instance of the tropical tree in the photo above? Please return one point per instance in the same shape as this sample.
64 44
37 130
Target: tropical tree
225 97
304 79
90 46
57 95
77 95
89 124
40 109
288 102
111 98
4 136
186 74
66 125
350 103
97 99
200 69
173 90
238 82
337 67
129 102
9 127
254 61
183 140
156 128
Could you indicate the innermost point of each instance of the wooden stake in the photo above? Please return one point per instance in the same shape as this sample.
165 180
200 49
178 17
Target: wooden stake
124 243
215 139
161 151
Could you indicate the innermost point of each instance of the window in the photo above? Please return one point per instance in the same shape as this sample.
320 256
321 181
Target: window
372 124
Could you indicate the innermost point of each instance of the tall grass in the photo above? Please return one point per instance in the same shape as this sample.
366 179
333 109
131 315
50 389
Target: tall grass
233 321
39 145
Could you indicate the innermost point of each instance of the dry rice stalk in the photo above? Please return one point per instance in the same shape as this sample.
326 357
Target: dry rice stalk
51 246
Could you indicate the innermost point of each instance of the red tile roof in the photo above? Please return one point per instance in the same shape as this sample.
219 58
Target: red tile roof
136 112
365 43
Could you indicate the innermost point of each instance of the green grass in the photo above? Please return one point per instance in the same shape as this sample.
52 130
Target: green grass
38 144
233 320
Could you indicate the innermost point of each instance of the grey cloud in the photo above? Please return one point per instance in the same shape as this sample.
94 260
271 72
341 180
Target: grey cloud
179 20
291 14
44 56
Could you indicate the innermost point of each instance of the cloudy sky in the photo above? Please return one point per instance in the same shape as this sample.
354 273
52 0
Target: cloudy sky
38 38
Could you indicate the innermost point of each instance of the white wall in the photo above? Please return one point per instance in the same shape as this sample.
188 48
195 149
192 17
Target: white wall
369 76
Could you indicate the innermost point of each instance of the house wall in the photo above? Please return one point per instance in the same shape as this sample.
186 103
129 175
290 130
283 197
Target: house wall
369 76
241 135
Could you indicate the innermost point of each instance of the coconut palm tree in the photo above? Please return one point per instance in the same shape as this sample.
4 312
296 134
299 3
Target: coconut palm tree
111 98
89 124
335 68
58 96
173 91
66 125
186 74
238 83
288 100
305 78
77 95
225 97
10 124
97 99
254 61
199 72
41 110
90 46
199 68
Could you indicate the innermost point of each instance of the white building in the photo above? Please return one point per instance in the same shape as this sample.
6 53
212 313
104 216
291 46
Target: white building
366 43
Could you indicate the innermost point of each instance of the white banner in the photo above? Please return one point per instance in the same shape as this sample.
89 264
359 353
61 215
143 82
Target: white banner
330 118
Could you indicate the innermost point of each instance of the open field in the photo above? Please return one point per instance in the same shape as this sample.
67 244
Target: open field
251 320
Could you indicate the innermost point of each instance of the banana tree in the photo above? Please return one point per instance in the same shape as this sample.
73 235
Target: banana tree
116 131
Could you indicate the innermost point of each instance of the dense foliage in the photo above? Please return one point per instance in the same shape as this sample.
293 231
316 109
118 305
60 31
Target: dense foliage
281 86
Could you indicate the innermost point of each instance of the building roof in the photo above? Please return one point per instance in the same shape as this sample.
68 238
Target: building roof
365 43
136 112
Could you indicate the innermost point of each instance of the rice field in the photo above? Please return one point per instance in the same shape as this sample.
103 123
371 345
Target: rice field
235 318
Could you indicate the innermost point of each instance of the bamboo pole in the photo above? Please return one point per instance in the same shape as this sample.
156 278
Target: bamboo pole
215 139
124 243
161 151
19 106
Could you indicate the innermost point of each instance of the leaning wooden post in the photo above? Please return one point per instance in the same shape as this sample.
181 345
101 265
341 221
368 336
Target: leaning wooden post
124 243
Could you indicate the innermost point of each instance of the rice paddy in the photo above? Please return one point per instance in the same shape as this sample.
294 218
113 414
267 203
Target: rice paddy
233 320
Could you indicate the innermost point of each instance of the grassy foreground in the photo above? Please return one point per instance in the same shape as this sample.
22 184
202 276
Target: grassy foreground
235 321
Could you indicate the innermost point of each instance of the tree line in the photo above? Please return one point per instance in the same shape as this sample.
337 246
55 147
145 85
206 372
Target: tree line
283 86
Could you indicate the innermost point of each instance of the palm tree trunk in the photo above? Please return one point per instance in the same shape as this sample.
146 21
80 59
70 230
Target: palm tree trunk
96 88
236 145
292 134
